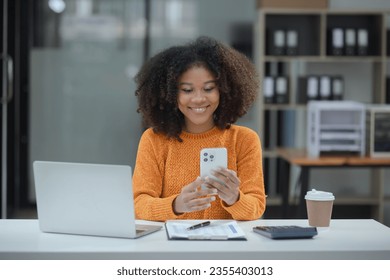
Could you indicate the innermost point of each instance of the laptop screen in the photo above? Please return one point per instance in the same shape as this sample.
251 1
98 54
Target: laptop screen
81 198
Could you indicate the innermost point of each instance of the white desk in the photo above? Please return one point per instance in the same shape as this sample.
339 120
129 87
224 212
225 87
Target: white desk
346 239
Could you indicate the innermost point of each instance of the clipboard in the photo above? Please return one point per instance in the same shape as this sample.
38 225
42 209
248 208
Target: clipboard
217 230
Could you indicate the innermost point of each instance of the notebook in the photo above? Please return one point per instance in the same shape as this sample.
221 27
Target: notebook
86 199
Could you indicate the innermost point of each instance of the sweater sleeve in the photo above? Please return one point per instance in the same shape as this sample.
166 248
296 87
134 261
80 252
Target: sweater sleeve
148 180
251 203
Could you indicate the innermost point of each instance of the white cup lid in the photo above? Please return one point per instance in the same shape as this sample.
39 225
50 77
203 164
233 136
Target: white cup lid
319 195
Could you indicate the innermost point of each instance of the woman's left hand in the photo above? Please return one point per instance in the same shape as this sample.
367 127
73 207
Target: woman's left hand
229 190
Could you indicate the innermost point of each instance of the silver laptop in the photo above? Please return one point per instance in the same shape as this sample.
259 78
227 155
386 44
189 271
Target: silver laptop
87 199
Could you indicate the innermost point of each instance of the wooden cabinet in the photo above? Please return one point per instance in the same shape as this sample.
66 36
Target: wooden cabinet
303 46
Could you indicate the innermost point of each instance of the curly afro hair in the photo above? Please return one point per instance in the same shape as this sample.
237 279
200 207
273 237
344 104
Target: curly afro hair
157 84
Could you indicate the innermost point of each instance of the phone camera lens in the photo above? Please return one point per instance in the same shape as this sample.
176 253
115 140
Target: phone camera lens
205 160
205 154
211 156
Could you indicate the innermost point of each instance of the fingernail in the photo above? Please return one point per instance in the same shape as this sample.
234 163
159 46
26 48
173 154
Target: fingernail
212 198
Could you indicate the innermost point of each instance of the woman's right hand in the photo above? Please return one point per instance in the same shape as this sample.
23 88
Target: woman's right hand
193 198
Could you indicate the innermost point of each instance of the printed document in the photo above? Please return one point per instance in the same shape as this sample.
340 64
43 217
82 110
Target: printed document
217 230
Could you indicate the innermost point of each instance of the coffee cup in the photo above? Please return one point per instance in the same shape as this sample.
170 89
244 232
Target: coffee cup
319 206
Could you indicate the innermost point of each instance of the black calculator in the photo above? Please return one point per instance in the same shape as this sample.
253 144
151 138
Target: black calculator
286 232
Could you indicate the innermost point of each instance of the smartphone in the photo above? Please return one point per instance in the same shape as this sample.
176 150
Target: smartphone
212 158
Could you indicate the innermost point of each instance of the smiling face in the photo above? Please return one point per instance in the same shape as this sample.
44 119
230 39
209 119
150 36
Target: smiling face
197 99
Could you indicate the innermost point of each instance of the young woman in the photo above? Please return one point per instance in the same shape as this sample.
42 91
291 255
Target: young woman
189 97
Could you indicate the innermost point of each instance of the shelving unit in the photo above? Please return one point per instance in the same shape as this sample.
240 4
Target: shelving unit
314 56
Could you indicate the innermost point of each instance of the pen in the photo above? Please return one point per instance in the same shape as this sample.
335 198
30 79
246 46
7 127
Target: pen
199 225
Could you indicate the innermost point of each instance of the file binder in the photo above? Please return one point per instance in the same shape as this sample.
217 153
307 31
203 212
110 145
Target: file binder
279 42
312 88
302 90
337 88
268 90
292 42
362 42
387 90
337 41
388 42
281 90
325 90
350 42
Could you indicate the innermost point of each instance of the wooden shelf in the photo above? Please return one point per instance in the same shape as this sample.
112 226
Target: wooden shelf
325 59
284 106
346 200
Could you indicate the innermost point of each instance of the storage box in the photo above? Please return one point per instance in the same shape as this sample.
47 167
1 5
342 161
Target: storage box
336 127
293 4
378 130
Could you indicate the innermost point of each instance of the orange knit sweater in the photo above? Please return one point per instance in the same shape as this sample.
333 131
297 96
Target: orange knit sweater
164 166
